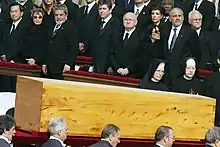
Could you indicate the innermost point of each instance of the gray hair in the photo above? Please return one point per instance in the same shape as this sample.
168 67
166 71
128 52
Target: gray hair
176 9
193 13
212 135
56 124
61 7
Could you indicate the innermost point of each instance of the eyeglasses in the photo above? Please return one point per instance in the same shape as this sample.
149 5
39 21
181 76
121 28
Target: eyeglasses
197 19
40 17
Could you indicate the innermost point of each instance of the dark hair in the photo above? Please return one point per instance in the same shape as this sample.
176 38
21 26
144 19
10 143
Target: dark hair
157 7
105 2
10 112
212 135
6 123
162 132
17 4
108 130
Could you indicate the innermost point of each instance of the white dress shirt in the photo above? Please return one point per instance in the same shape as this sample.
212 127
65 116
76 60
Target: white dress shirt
138 8
159 145
90 6
106 20
198 4
146 3
16 24
172 33
129 32
198 31
6 139
52 137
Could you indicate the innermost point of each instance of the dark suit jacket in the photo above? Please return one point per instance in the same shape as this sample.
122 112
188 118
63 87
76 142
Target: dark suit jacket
118 12
144 18
186 45
73 10
121 3
101 143
10 44
206 53
86 26
105 41
207 9
52 143
28 6
3 143
61 48
128 55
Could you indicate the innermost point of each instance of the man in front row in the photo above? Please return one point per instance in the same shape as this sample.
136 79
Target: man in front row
110 137
7 130
62 46
58 132
164 137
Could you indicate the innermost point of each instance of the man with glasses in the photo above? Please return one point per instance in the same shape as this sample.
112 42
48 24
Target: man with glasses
164 137
195 20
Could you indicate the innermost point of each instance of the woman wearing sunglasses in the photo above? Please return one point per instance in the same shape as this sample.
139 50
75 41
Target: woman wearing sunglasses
35 37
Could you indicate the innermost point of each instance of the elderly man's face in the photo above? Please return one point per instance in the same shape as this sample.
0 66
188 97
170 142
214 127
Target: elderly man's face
129 21
176 18
196 21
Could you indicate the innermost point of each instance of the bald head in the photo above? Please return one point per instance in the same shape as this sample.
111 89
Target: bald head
129 21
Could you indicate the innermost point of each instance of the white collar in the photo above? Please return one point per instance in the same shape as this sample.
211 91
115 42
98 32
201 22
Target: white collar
187 78
154 80
6 139
159 145
146 3
199 2
62 1
23 3
178 28
107 18
129 32
55 138
91 4
113 6
139 8
17 22
198 31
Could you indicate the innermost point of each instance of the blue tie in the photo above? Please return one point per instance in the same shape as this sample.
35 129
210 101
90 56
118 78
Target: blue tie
126 3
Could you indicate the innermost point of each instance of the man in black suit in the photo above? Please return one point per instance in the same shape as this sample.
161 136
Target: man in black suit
124 59
58 132
195 20
168 6
87 18
7 130
107 38
28 5
73 10
179 42
212 137
206 8
164 137
10 44
62 46
142 10
117 11
123 4
110 137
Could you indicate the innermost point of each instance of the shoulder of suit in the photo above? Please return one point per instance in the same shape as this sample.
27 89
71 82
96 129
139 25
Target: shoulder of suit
3 143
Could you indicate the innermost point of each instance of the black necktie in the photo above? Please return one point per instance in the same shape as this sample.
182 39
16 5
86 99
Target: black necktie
102 25
12 29
173 39
86 9
126 39
196 6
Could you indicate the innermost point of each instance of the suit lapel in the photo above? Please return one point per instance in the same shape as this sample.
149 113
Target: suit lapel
92 11
107 25
179 39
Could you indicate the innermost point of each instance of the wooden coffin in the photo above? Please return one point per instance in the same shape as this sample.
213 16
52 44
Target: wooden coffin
89 107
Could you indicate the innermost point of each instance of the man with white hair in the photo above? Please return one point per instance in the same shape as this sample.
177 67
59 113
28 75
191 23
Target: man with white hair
212 137
195 20
58 132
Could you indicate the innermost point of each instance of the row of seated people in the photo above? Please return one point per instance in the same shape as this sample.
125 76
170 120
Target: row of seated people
112 46
128 53
110 135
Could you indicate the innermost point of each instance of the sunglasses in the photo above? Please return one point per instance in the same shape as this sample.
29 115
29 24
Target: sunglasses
40 17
